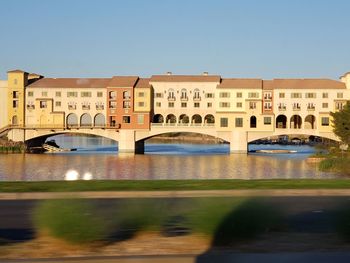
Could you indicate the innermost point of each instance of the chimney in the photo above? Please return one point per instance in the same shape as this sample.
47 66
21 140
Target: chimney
205 73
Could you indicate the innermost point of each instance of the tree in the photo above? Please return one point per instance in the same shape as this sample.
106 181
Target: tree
341 123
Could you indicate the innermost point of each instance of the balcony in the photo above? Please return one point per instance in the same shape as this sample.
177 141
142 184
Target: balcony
296 108
72 107
126 97
85 107
30 107
100 107
282 108
184 98
197 98
310 108
267 97
170 98
268 108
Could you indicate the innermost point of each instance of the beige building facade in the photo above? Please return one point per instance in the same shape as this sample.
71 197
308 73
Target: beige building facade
3 103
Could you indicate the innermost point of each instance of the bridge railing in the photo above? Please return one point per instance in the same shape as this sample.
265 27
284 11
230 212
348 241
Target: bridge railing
63 127
199 125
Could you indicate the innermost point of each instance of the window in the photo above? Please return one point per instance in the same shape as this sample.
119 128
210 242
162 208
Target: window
209 104
159 95
15 104
43 104
339 105
57 103
281 95
72 106
325 105
224 94
30 106
126 119
296 106
223 122
224 104
325 121
209 95
126 104
100 106
267 120
15 94
112 95
158 104
325 95
140 119
30 93
253 95
183 104
171 104
340 95
295 95
85 94
171 94
196 94
282 106
44 93
239 122
267 96
72 94
310 95
239 104
112 105
15 81
58 94
196 104
183 94
126 95
310 106
239 95
85 106
252 105
141 104
99 94
141 95
267 106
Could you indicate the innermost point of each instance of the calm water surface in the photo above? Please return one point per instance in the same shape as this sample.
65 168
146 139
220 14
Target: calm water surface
99 158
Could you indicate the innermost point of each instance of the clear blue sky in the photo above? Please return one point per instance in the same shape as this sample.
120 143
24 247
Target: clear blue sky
246 38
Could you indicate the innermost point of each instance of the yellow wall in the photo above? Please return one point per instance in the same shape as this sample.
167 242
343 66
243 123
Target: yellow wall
45 117
146 99
16 83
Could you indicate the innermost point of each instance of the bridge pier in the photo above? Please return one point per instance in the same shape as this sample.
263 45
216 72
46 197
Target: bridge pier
127 143
239 142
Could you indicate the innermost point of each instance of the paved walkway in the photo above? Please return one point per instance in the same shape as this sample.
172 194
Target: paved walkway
176 194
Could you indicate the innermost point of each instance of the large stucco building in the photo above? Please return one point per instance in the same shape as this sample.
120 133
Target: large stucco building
232 106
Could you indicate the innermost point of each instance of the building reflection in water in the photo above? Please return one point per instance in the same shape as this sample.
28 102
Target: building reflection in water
117 166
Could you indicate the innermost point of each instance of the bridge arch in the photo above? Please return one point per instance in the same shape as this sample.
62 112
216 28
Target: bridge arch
158 118
86 120
72 120
295 122
99 120
281 121
310 122
197 119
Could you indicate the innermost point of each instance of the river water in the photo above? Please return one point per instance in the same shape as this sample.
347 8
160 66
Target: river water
97 158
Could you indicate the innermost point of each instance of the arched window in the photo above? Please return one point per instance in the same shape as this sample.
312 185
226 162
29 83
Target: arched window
158 118
310 122
126 94
99 120
209 119
170 118
197 119
72 120
171 94
184 94
184 118
85 120
295 122
196 94
281 122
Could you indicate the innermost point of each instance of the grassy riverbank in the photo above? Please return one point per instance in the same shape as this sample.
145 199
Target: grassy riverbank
170 185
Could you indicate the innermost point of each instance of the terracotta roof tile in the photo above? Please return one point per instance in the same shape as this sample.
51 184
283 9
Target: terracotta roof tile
185 78
123 81
307 84
241 84
143 83
71 83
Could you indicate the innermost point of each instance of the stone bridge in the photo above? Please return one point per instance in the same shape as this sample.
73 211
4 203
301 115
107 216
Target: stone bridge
133 140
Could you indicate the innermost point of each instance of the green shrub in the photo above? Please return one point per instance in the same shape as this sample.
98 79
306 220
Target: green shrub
75 221
245 222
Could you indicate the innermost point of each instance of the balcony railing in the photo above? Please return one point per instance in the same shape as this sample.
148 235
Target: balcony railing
296 108
100 107
311 108
171 98
72 107
197 98
184 98
86 107
281 108
30 107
